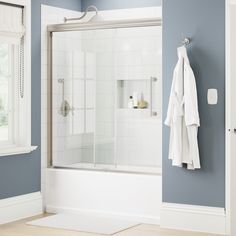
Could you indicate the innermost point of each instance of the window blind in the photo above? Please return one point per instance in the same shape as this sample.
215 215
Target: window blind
12 32
11 22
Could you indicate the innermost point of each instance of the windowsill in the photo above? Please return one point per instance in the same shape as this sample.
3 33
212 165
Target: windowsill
16 150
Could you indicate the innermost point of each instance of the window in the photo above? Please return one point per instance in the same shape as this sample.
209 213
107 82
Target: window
6 106
15 86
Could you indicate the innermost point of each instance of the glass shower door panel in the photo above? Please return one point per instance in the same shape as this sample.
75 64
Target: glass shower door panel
138 131
83 100
73 140
103 47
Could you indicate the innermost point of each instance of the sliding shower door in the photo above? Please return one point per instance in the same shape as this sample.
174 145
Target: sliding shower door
83 100
101 43
73 98
97 74
138 56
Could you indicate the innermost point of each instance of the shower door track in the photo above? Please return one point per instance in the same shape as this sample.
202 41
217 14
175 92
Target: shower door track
115 24
78 26
157 172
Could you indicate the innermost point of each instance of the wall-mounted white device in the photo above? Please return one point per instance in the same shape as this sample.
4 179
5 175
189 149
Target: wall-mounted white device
212 96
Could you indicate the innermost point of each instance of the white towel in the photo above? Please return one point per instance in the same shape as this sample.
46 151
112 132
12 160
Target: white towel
182 115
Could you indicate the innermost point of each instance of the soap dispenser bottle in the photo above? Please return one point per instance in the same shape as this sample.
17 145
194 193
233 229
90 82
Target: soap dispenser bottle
130 102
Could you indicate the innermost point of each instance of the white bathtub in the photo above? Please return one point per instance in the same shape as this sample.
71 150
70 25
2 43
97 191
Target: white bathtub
132 196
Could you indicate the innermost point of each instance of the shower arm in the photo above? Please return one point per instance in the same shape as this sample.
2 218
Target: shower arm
89 8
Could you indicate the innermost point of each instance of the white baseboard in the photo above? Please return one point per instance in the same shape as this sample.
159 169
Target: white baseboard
193 218
20 207
137 218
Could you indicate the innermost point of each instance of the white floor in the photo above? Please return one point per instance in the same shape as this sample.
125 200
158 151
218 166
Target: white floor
85 223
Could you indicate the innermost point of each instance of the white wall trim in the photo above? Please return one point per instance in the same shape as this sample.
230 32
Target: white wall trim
137 218
20 207
193 218
227 113
16 150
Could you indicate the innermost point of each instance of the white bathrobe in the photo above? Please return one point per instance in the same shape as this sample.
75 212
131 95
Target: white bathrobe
182 115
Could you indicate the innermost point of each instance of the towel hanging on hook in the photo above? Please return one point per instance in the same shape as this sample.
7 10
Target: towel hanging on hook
182 115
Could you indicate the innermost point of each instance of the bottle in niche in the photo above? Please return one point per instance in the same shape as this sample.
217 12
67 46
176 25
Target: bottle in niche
142 104
130 102
135 100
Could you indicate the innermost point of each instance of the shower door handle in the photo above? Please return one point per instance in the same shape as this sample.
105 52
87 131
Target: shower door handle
152 80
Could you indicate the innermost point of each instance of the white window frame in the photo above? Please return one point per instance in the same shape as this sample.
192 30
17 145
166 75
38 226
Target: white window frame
23 144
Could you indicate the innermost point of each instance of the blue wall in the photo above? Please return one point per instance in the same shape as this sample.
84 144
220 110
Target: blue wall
203 21
120 4
21 174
